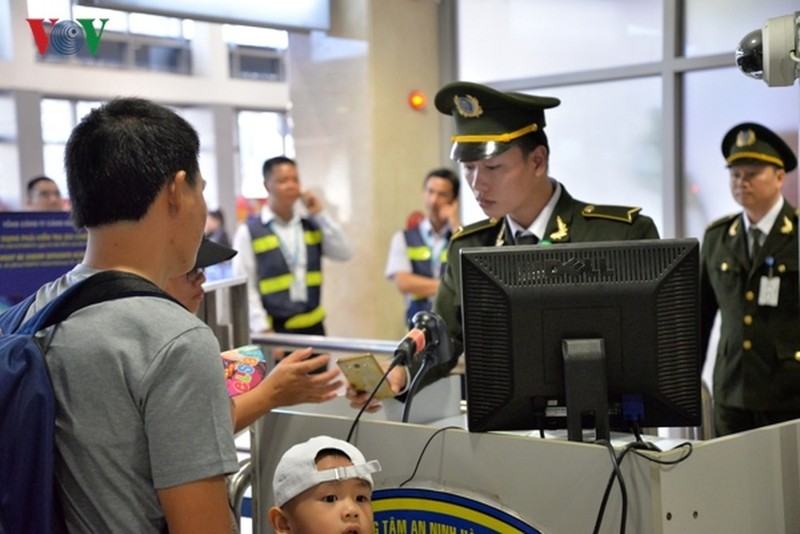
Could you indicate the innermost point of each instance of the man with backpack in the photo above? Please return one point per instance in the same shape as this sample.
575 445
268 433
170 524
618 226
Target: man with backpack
143 423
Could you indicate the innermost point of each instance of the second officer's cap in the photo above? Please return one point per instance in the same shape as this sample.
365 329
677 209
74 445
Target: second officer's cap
487 120
752 142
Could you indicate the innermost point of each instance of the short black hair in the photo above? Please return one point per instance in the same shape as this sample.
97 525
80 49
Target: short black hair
528 142
448 175
325 453
271 163
35 180
121 155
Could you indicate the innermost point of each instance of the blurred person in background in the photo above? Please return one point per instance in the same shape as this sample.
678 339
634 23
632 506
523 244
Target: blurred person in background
280 252
418 255
215 228
44 195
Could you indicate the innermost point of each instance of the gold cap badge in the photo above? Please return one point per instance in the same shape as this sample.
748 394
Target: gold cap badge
745 138
468 106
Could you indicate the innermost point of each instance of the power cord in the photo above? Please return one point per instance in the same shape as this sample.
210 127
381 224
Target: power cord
372 394
426 361
636 448
422 453
616 473
412 388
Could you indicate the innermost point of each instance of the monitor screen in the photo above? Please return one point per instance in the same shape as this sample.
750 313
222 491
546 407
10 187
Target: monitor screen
623 316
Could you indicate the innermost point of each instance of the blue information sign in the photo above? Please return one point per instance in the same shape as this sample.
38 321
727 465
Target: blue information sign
35 247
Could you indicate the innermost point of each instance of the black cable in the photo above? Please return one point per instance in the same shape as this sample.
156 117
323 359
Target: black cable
541 420
635 448
413 386
686 444
425 448
615 462
637 433
604 501
392 365
639 443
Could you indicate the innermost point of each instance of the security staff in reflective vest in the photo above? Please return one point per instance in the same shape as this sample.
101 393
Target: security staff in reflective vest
418 255
281 252
749 273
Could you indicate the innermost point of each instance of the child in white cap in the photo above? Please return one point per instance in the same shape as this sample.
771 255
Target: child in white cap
323 485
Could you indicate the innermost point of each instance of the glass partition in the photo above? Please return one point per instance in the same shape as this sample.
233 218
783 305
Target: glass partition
513 39
717 27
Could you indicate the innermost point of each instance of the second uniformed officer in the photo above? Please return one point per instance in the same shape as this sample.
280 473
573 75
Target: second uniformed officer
504 152
749 272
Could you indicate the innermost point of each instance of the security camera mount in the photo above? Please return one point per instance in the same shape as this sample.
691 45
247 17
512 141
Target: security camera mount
772 53
781 36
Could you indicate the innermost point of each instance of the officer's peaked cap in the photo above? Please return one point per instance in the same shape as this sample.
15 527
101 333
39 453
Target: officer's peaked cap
750 142
487 120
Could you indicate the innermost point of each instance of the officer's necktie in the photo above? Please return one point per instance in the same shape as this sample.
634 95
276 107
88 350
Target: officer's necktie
525 239
755 247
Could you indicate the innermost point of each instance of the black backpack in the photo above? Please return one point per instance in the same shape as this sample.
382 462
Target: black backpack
27 404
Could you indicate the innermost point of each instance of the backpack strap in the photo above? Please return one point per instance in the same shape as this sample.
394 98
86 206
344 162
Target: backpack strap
100 287
12 318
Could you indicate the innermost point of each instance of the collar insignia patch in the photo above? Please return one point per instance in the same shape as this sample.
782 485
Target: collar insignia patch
562 231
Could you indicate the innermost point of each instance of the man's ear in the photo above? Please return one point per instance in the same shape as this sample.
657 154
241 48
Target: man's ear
278 520
781 176
538 156
175 189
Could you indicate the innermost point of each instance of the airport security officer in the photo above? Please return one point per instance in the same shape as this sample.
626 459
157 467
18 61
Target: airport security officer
749 273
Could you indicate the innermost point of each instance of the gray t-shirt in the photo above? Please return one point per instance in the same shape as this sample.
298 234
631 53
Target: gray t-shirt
141 405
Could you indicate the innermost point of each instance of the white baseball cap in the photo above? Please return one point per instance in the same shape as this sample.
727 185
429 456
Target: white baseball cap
297 470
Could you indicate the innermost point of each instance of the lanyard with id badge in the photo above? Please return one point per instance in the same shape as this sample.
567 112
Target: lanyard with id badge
769 286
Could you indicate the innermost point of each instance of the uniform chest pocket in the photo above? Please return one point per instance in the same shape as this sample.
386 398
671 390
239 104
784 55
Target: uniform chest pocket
727 276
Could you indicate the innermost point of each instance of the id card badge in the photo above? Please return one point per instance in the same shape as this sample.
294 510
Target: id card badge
768 291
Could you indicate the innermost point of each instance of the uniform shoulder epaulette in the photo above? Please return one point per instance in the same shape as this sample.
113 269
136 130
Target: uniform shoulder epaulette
475 227
723 221
626 214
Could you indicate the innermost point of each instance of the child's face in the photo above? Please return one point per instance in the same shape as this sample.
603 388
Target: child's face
331 507
187 289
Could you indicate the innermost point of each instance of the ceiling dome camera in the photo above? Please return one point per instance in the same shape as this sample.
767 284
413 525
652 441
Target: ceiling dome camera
772 53
750 55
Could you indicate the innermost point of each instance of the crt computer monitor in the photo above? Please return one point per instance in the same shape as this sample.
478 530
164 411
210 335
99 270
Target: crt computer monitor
557 336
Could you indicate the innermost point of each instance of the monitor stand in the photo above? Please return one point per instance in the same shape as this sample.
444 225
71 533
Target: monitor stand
586 386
